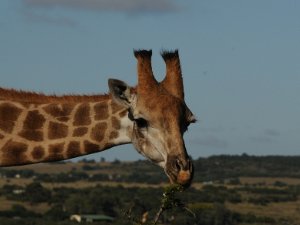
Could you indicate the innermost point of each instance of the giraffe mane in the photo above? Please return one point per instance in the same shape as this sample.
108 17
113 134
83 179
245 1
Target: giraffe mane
34 97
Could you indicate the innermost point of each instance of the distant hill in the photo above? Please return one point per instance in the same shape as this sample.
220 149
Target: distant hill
231 166
214 168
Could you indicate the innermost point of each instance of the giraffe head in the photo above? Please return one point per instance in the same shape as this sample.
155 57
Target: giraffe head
159 115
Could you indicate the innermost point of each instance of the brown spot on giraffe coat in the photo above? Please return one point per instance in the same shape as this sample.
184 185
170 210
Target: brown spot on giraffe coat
73 149
101 111
98 131
33 123
115 123
13 153
60 111
56 152
82 115
57 130
34 120
113 135
8 115
90 147
38 152
32 135
80 131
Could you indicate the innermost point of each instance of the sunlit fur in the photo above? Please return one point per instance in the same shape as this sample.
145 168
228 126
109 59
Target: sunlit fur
153 116
162 106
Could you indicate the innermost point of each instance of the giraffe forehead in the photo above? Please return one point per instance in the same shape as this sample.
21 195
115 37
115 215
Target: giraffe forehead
162 108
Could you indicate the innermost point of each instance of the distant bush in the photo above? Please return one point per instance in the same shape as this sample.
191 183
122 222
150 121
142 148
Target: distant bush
62 177
56 213
233 166
88 161
36 193
279 184
20 173
90 167
234 181
18 211
99 177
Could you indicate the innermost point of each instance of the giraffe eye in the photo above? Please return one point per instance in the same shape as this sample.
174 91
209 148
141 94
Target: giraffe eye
141 123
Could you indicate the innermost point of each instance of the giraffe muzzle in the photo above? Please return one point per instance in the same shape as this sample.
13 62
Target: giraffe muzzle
180 171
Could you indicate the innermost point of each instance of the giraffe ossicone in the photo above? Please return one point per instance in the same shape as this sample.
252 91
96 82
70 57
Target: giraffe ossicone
152 116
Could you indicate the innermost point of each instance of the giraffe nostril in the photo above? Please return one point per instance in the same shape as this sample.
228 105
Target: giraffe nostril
185 172
177 165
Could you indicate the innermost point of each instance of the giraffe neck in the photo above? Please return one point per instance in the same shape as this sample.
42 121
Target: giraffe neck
63 128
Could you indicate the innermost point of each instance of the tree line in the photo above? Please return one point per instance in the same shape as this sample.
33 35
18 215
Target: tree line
214 168
206 206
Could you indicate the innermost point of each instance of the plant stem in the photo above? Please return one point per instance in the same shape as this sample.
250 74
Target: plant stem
158 214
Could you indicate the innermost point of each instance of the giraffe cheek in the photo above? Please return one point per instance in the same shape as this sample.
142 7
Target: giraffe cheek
140 146
144 147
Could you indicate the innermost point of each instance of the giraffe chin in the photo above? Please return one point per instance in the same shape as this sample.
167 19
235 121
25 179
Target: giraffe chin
184 178
180 171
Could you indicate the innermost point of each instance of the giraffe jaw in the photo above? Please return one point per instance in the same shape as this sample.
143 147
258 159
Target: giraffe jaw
180 172
179 169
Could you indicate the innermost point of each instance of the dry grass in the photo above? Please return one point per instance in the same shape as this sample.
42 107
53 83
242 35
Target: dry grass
78 184
85 184
283 210
56 168
288 210
37 208
15 181
6 204
50 168
269 180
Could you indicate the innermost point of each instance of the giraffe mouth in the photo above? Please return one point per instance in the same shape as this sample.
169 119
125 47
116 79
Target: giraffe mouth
178 168
180 172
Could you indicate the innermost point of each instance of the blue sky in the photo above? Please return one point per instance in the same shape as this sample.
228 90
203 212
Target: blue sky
240 61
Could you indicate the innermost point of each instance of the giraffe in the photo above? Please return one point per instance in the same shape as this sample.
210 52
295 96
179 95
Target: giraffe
152 116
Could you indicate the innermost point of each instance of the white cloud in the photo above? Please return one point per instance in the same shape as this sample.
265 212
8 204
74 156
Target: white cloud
261 139
267 136
272 132
127 6
210 141
61 21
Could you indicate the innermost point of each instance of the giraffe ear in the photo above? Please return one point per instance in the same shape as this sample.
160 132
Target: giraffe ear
120 92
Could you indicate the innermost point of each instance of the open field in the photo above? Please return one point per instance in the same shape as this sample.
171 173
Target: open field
51 168
15 181
38 208
283 211
77 184
235 185
269 180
